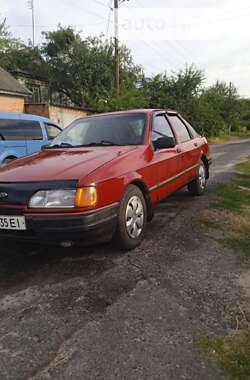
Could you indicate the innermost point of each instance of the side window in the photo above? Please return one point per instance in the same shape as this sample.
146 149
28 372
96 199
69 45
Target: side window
161 128
52 131
31 130
191 129
20 130
180 129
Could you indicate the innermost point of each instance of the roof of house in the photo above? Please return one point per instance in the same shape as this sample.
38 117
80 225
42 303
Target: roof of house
10 86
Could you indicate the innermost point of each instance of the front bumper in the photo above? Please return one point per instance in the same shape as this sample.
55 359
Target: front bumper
85 228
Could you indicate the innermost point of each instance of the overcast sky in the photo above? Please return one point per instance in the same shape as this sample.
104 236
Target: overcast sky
226 57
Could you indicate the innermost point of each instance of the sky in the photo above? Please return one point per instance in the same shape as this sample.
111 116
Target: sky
224 55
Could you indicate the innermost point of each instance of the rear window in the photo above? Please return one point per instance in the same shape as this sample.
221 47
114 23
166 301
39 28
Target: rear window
20 130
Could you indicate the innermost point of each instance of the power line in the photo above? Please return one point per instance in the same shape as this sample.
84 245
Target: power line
74 5
100 3
56 25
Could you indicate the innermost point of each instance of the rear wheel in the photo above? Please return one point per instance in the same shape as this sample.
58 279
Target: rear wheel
8 160
198 186
132 219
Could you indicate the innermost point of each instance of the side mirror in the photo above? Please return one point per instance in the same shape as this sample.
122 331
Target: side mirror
164 143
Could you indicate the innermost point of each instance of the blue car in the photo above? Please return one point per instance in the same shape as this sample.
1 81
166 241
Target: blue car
22 135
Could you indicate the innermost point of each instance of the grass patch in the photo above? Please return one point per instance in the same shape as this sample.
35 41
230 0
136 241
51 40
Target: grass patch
231 353
231 212
232 197
244 167
242 245
226 137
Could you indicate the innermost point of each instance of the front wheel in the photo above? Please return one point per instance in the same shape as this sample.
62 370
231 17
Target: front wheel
198 186
132 219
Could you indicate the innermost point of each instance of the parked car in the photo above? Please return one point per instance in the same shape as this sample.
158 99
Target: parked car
101 178
21 134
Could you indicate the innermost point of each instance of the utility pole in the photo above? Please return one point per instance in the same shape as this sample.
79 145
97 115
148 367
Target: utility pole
117 60
31 7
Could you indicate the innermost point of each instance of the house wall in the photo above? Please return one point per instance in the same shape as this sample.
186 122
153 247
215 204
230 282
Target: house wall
37 109
64 116
60 115
10 103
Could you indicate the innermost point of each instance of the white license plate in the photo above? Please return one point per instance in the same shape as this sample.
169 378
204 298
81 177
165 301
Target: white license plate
12 223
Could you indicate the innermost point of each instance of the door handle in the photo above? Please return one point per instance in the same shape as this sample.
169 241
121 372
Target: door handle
195 144
178 150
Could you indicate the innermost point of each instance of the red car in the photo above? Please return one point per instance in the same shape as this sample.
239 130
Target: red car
101 178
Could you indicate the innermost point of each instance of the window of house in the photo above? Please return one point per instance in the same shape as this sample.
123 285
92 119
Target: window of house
180 129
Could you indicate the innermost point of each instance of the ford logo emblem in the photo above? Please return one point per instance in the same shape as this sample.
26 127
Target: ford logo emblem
3 195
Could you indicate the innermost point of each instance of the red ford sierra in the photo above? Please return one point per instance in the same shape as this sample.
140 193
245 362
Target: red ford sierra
100 179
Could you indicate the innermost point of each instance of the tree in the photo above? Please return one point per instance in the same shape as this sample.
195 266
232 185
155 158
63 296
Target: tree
224 99
84 69
175 91
7 41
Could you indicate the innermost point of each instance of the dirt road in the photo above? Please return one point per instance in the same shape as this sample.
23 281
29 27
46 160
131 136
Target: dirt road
98 314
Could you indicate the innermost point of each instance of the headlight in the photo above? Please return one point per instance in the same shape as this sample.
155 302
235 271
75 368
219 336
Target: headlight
81 197
53 199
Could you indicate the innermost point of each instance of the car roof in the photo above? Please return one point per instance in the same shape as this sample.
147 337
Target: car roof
24 116
140 110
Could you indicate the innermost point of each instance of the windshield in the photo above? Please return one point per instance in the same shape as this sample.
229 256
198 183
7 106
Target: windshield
107 130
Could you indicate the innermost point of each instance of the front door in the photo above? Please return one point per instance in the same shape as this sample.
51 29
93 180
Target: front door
34 136
165 162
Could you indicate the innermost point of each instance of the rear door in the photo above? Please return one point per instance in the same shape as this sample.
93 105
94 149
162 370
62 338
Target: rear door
187 147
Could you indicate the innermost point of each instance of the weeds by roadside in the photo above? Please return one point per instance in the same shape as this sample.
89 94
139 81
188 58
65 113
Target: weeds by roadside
230 214
231 353
226 137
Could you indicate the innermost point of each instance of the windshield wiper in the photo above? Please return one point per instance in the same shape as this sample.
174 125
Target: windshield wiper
102 143
61 145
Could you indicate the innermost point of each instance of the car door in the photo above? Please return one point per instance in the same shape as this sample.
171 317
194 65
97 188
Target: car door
165 162
35 138
187 147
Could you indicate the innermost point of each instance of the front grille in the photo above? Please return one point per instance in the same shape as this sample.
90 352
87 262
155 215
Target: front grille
11 211
19 193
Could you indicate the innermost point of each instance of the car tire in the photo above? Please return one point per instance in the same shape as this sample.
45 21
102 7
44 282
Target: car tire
132 219
198 186
8 160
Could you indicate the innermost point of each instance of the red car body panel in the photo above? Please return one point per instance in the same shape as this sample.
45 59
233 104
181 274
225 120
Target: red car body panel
111 169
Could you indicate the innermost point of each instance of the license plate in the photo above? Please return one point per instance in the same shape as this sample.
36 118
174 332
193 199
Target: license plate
12 223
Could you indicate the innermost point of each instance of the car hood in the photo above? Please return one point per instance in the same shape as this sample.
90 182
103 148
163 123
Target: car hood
60 164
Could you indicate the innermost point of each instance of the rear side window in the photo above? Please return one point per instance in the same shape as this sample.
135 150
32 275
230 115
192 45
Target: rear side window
180 129
20 130
192 130
52 131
